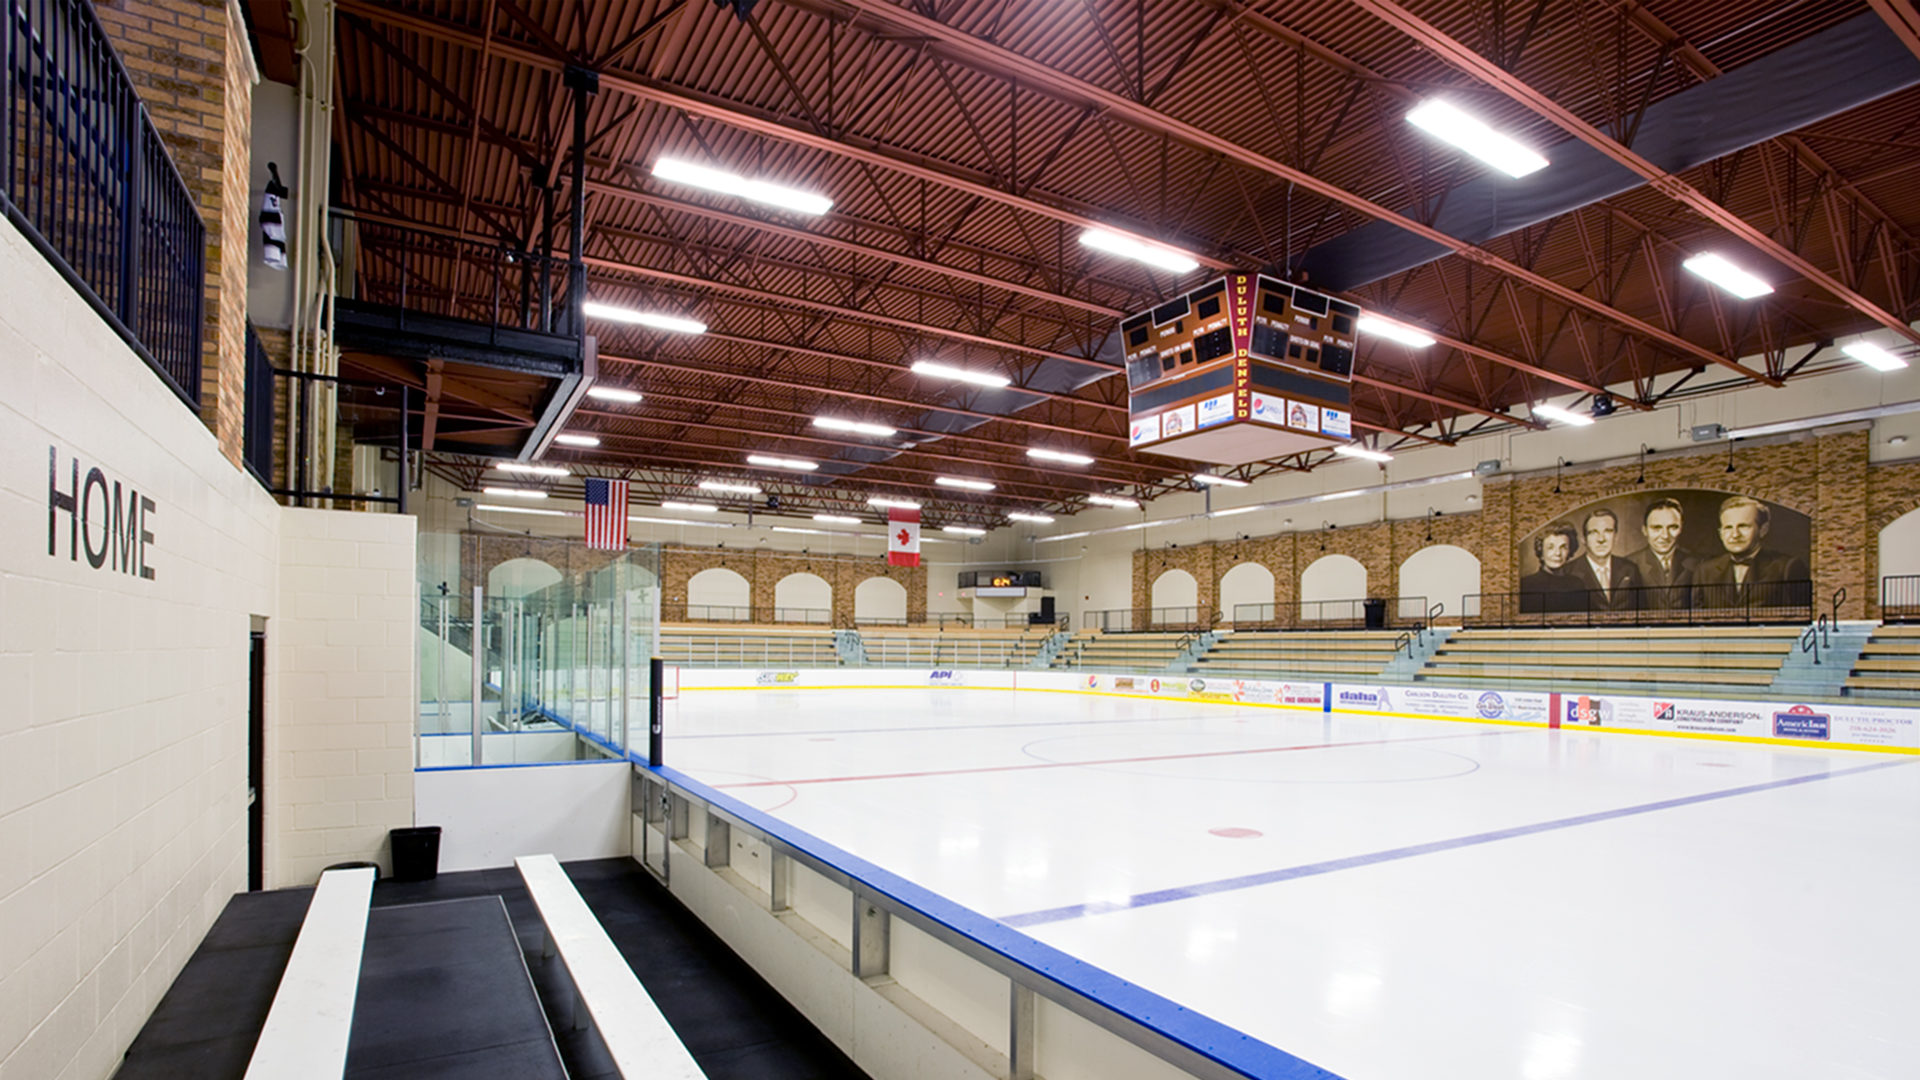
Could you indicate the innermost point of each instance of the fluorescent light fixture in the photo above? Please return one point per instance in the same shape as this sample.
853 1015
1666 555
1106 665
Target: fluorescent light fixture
678 521
767 461
514 493
802 532
891 502
836 519
1332 496
1114 501
728 488
962 483
948 371
577 440
1299 500
531 470
689 507
1565 416
1212 480
858 427
726 183
1114 243
1037 519
1232 512
963 530
1721 271
651 319
613 393
1355 450
1456 127
1873 356
1061 456
1393 331
522 510
1871 412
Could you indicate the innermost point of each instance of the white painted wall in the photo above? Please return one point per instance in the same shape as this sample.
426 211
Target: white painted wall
123 786
879 598
1332 577
1175 588
1245 583
1443 574
803 590
487 816
718 586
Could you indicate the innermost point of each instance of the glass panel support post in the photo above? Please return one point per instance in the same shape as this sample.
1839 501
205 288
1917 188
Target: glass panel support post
479 653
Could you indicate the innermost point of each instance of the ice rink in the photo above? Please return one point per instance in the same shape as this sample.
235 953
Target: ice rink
1390 899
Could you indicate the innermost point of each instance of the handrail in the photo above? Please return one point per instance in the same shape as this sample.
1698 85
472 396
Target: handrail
1815 637
1839 597
1405 639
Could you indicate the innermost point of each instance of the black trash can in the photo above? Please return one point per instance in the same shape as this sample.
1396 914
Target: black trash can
416 853
1376 612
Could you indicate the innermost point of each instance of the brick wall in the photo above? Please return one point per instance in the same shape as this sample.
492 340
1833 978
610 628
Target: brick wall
192 71
764 570
1826 475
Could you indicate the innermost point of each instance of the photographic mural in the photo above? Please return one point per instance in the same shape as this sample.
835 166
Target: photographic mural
1678 550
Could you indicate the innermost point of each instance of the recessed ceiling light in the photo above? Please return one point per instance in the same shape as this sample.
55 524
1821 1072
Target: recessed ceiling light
521 510
1114 501
962 484
1393 331
516 493
577 440
963 530
689 507
767 461
1873 356
1213 480
1037 519
729 488
1354 450
1039 454
858 427
836 519
613 393
1452 125
889 501
1131 247
652 319
1721 271
760 191
1565 416
966 375
532 470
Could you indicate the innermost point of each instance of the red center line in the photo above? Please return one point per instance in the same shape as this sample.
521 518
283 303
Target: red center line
1099 761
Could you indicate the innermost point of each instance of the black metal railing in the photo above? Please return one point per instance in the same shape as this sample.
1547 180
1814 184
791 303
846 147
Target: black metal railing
1900 597
257 434
1110 620
1357 613
1646 605
376 416
89 182
447 274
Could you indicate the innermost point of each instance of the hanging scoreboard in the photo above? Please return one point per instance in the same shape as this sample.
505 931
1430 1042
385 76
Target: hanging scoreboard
1243 368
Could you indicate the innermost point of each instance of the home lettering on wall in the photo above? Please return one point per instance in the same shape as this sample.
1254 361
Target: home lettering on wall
114 514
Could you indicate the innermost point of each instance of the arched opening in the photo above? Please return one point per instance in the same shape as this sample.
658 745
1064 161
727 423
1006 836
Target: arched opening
1246 594
803 597
520 577
1175 599
880 600
1331 587
718 594
1441 574
1900 561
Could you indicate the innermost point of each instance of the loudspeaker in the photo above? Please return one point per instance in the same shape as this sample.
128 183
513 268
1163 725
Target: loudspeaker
1044 616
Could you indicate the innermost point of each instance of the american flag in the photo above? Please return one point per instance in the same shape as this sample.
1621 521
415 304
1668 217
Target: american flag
606 514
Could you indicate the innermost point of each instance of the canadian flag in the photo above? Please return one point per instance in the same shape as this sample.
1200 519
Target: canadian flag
903 537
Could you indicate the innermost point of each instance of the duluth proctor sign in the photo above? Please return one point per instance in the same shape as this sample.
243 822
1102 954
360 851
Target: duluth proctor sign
117 515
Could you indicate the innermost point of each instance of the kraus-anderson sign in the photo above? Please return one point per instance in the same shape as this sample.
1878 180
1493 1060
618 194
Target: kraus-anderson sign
111 512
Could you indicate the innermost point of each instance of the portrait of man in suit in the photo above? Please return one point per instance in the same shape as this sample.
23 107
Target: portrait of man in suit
1665 571
1612 583
1747 572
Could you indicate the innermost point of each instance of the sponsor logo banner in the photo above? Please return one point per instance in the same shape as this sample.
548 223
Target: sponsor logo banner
777 678
1270 410
1591 711
1123 682
1336 422
1362 698
1216 410
1303 416
945 678
1144 431
1801 722
1176 421
1093 682
1468 704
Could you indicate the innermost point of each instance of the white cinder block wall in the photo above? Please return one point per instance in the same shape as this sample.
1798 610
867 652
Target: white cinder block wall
123 698
340 770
